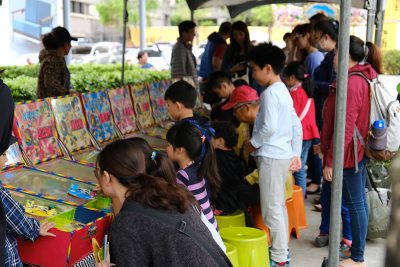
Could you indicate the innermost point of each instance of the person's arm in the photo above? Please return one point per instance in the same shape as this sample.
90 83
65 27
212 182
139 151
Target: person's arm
51 79
297 140
18 224
178 62
218 56
182 178
267 119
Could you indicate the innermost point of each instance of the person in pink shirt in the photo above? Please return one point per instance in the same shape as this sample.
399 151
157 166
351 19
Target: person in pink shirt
301 88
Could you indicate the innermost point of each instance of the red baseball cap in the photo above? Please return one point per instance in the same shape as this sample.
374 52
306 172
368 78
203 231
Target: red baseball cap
241 94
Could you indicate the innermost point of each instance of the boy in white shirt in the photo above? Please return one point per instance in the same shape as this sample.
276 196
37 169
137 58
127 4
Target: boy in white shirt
276 143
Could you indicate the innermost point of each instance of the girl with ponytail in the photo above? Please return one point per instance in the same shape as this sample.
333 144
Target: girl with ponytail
301 88
138 236
196 159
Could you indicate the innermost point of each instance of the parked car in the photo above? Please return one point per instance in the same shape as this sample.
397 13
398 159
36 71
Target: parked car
100 53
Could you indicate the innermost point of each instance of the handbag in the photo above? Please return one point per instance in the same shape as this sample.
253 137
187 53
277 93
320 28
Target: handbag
378 212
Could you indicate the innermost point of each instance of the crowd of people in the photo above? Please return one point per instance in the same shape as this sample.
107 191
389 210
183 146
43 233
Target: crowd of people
272 112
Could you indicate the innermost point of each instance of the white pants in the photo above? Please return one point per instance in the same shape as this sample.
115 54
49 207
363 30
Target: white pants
272 179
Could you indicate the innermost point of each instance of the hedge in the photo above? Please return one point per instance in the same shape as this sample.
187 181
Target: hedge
22 80
391 62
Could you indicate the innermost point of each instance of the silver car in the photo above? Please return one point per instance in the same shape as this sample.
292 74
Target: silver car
100 53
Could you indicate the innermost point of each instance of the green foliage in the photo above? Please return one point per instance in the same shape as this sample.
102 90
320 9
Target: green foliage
391 62
22 80
259 16
111 11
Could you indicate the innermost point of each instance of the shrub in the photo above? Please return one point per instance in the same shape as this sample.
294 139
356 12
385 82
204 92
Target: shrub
22 80
391 62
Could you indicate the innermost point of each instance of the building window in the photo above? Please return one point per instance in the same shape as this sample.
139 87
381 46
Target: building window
79 7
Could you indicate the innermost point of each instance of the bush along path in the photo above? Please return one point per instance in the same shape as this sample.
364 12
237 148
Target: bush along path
22 80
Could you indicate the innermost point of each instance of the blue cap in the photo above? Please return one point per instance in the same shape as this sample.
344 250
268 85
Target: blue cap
379 124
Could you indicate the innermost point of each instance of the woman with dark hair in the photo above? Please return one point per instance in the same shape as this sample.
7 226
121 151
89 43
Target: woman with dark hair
326 34
361 60
148 211
54 76
235 58
305 41
326 37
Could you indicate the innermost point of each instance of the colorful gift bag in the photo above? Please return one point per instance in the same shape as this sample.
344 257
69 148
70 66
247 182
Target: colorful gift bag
99 117
70 122
36 129
122 110
142 106
71 128
160 110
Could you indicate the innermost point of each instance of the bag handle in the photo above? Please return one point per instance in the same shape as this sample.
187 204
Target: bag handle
179 225
305 110
371 185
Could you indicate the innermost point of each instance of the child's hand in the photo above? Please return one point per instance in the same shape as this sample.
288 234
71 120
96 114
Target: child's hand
45 227
295 164
248 147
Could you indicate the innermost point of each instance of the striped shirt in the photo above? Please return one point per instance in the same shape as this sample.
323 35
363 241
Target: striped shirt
189 178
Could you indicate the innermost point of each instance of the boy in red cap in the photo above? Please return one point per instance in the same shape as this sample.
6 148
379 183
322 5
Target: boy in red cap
276 141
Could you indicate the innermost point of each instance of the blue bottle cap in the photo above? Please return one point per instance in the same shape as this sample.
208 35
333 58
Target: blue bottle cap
379 124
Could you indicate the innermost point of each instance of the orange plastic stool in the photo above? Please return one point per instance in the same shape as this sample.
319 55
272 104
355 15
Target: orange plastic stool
292 219
299 209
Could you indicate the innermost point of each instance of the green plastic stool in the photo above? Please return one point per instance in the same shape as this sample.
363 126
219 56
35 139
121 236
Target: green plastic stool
251 245
234 219
231 253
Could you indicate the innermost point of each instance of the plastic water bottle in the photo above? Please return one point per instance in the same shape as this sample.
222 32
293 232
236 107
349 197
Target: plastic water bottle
379 124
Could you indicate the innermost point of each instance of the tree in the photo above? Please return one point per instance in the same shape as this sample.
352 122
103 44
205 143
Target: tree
111 11
259 16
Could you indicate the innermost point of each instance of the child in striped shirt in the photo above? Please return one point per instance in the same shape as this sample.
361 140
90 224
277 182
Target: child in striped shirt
196 159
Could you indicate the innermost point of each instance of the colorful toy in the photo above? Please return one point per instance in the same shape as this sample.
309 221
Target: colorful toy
37 210
81 192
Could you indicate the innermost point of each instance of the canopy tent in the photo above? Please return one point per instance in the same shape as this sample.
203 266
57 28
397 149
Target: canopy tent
244 5
235 10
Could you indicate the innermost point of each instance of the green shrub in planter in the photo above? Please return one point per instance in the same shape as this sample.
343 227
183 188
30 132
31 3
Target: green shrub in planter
22 87
22 80
391 62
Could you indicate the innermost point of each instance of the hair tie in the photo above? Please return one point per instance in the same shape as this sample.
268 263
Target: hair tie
203 138
306 75
153 155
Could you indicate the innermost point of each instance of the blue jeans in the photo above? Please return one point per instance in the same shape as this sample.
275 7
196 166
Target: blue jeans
356 201
326 215
301 175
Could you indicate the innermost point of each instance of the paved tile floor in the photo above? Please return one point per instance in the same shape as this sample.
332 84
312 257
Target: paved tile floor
305 254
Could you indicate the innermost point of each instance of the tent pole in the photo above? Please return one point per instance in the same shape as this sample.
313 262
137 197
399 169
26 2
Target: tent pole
340 123
381 6
67 23
370 5
142 11
124 43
